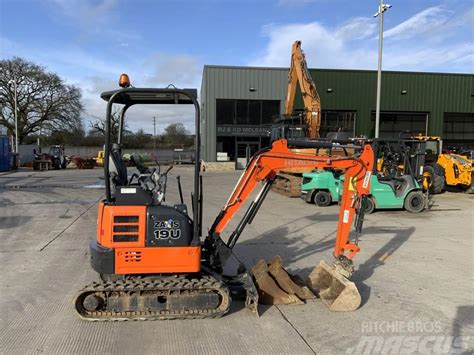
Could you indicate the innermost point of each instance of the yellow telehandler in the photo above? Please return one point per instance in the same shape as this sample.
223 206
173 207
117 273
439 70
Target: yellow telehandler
446 169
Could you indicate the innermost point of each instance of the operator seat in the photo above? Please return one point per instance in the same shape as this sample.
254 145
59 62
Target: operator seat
117 168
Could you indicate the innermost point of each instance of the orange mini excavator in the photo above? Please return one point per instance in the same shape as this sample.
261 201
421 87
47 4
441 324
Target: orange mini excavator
154 261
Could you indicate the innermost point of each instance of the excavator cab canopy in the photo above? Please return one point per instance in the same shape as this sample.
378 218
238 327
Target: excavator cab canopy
130 96
289 127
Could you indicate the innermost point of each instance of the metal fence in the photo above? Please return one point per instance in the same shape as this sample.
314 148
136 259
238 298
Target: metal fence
162 155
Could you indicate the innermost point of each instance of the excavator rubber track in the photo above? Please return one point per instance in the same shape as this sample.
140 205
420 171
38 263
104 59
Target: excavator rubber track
146 298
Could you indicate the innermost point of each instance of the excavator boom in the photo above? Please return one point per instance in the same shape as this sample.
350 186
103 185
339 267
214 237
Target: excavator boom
265 166
312 104
329 281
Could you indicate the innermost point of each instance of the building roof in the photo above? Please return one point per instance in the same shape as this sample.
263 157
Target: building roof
212 66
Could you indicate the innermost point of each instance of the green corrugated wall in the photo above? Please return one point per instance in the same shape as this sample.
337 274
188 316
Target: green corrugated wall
353 90
431 93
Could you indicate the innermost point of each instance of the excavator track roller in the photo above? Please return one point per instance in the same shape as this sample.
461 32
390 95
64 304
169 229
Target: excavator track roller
335 290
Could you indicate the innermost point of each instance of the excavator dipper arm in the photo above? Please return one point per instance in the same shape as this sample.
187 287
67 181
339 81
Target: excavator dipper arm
312 104
264 166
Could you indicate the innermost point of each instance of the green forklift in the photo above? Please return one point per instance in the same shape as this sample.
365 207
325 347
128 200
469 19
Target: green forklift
396 182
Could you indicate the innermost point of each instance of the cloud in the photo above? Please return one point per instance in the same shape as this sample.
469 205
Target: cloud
85 10
8 47
423 22
140 116
356 28
98 9
180 70
93 22
435 39
69 61
95 73
449 58
294 2
324 46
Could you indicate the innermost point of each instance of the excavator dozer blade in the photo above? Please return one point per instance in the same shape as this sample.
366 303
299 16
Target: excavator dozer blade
251 299
242 287
289 283
268 290
335 290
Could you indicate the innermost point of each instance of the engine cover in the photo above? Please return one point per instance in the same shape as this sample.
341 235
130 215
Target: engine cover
168 227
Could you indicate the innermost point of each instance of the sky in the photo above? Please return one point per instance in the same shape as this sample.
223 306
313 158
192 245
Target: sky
161 42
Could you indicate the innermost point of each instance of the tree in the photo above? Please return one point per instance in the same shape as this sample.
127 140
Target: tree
176 135
98 126
44 100
139 139
176 130
73 137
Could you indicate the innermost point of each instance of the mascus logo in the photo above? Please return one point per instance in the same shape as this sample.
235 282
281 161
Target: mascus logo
167 229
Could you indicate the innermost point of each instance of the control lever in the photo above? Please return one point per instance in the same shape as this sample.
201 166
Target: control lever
164 180
180 190
136 160
168 170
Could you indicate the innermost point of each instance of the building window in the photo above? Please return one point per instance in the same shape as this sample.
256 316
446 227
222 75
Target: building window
242 112
334 121
394 123
225 112
255 111
458 128
246 112
270 109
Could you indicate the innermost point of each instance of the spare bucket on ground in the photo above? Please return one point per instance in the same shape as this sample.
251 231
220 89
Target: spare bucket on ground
335 290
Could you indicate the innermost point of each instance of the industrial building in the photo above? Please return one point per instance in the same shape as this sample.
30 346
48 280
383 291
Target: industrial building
239 103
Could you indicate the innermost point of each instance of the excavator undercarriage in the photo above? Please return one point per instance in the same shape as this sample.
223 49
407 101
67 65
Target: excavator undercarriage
153 298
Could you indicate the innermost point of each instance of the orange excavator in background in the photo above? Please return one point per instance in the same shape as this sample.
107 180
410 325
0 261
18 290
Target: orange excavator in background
307 123
302 125
299 73
155 262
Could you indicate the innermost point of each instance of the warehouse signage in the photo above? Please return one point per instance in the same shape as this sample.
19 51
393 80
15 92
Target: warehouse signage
257 131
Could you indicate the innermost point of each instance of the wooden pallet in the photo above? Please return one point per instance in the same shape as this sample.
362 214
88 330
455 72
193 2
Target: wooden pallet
288 185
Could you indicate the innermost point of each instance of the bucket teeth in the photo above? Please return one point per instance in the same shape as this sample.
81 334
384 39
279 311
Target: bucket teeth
335 290
269 291
276 286
289 283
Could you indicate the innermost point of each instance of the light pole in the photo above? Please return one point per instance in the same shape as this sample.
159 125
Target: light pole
382 8
13 81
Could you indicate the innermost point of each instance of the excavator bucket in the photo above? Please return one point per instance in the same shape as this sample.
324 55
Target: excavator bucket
335 290
276 286
289 283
